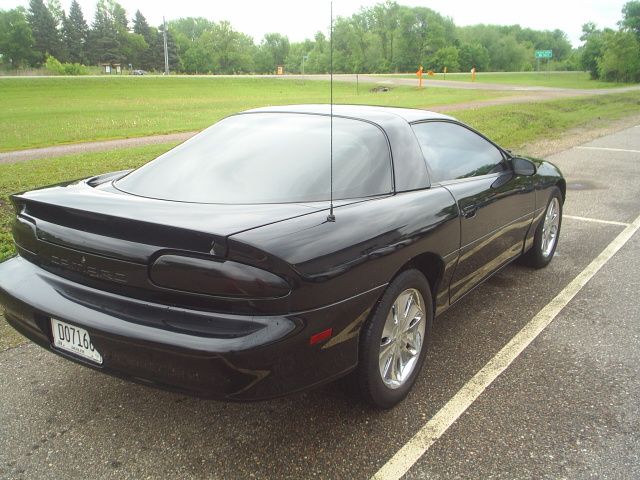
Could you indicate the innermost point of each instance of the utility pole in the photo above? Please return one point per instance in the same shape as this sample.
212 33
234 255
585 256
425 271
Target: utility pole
166 49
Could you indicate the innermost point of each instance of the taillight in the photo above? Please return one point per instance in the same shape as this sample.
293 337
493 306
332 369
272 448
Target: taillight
219 278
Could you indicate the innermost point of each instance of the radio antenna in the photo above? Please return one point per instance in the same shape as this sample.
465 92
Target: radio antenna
331 217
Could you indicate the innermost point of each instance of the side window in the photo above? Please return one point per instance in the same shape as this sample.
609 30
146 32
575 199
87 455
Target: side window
453 151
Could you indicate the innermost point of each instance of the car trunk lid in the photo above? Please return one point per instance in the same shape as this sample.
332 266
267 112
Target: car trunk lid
115 224
106 239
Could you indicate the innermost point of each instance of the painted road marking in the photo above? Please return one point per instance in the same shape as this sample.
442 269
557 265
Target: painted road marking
606 149
596 220
411 452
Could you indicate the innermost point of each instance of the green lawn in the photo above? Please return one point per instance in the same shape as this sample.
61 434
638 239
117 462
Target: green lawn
38 112
538 79
18 177
514 125
509 125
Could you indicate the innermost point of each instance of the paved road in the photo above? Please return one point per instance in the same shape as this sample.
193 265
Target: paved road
399 80
566 408
86 147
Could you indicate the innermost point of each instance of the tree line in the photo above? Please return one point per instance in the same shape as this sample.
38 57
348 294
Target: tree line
614 54
29 36
387 37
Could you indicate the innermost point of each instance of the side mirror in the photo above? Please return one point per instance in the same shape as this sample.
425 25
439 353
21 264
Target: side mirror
523 167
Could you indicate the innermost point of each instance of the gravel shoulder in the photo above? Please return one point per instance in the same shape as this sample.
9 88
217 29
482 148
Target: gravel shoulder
9 338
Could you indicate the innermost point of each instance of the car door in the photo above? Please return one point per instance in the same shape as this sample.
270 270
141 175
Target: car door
496 205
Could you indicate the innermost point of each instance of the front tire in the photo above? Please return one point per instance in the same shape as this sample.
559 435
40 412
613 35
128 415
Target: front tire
393 343
546 237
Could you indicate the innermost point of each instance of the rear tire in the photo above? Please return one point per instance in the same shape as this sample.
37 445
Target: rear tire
394 342
547 234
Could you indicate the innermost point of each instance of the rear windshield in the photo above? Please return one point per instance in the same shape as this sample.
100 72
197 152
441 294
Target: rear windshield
269 158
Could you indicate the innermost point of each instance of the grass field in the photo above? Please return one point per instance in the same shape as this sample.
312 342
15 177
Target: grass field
578 80
514 125
509 125
39 112
18 177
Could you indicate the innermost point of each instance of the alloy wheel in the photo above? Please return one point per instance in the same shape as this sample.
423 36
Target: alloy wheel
550 227
402 338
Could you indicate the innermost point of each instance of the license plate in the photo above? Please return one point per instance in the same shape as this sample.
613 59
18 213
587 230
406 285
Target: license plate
75 340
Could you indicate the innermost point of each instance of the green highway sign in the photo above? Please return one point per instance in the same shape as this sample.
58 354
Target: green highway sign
544 53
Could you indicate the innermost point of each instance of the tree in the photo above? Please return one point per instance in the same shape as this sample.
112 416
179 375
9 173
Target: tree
381 38
272 52
75 31
620 61
190 28
194 51
132 48
110 40
383 18
631 17
16 40
473 55
318 59
57 11
104 44
146 59
294 60
44 27
510 56
445 57
412 45
198 57
119 16
593 48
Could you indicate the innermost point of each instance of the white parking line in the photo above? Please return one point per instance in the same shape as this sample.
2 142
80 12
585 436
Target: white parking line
606 149
595 220
411 452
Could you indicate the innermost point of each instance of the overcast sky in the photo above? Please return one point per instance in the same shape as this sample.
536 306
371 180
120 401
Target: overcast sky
300 19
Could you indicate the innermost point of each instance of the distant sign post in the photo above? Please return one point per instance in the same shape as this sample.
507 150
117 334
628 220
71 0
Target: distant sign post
544 53
548 54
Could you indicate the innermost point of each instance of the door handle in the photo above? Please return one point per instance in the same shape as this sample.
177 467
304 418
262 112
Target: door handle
470 211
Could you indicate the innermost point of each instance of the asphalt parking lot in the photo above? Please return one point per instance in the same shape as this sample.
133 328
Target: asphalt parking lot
566 407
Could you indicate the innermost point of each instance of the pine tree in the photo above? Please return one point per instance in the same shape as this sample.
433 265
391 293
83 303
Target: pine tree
104 46
146 60
46 37
140 25
57 12
75 31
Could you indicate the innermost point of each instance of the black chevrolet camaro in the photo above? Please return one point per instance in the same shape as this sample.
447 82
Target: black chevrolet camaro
217 270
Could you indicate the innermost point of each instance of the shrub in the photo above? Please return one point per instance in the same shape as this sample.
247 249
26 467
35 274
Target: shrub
54 66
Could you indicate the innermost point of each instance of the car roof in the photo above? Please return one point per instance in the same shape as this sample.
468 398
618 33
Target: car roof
371 113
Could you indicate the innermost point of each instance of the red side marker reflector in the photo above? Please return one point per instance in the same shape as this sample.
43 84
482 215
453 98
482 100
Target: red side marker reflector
320 337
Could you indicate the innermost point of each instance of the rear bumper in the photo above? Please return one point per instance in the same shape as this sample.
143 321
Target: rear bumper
231 357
